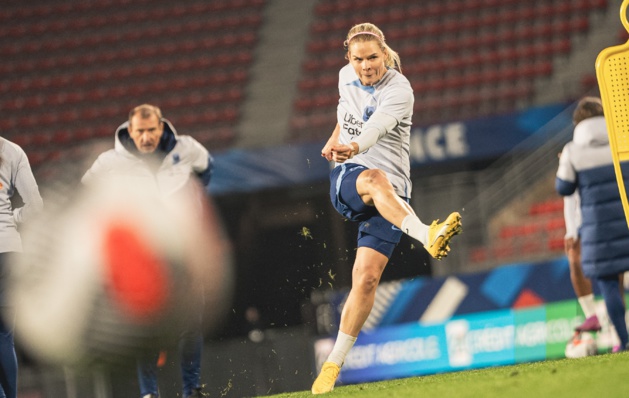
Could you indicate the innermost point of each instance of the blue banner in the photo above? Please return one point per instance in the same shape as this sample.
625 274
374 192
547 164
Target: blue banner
486 339
480 340
510 286
473 341
483 138
251 170
396 352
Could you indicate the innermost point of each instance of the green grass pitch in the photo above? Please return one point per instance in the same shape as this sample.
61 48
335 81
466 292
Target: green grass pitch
600 376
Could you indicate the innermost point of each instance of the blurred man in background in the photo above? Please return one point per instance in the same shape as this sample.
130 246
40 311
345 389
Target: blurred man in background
148 147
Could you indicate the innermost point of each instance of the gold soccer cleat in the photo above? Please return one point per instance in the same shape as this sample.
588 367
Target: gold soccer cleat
439 235
326 379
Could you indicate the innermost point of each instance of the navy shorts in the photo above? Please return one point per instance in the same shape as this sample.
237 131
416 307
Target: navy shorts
374 231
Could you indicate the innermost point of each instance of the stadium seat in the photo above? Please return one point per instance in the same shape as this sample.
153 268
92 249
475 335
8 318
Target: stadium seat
71 62
556 244
501 54
553 206
503 251
589 81
478 255
555 223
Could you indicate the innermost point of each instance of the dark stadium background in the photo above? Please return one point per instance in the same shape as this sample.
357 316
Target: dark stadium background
252 75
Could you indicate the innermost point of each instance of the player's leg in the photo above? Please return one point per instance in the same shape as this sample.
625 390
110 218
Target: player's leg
615 306
368 268
8 359
621 289
147 375
582 288
376 241
375 189
582 285
366 274
191 347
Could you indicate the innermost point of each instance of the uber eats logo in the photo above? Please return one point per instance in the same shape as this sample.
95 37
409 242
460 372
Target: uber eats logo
352 125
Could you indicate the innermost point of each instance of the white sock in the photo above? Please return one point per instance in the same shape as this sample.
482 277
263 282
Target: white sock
344 343
588 305
413 227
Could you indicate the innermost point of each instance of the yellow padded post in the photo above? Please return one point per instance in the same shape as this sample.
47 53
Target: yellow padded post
612 73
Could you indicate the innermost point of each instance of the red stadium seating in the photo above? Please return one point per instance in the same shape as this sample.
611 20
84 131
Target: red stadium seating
77 62
540 230
79 66
551 206
450 52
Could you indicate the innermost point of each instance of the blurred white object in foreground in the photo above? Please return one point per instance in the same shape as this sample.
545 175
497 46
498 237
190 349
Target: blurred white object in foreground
118 270
581 345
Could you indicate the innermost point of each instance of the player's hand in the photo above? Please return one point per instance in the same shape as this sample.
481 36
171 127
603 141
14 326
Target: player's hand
571 245
341 153
326 152
568 244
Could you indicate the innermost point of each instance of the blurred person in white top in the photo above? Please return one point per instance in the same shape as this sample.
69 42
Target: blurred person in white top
15 176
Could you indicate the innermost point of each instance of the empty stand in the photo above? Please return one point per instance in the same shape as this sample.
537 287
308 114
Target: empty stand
71 71
539 231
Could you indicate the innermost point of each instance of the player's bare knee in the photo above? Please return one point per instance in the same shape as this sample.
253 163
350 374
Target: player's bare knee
375 178
368 282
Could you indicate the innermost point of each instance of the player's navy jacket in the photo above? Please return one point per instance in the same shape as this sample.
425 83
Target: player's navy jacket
178 157
586 164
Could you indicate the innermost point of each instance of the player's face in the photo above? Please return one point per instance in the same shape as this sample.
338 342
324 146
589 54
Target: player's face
146 132
368 59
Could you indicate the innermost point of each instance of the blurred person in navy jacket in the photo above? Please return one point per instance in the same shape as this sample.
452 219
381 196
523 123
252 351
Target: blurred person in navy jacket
586 165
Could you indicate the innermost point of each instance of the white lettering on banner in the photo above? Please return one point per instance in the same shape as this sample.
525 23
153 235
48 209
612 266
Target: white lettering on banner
459 351
456 140
530 334
393 352
559 330
411 350
439 142
549 332
417 148
463 343
434 143
360 357
491 339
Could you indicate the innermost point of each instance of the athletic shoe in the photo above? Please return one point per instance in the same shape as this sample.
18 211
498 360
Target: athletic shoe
439 235
325 382
590 325
617 348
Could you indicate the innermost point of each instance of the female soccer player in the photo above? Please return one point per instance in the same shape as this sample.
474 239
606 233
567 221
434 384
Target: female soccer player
370 182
